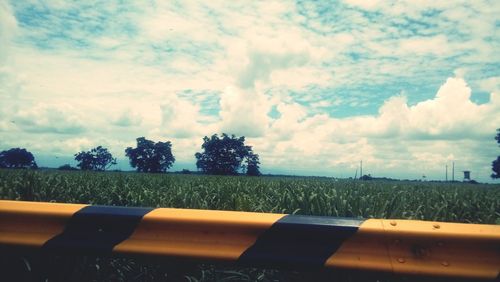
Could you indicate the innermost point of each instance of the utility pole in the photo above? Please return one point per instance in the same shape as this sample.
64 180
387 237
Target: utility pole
361 168
453 172
446 179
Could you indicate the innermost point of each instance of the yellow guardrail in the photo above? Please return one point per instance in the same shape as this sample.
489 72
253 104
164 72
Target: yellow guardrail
259 239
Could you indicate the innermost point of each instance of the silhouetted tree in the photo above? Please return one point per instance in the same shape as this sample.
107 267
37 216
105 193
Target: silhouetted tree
253 165
495 165
150 156
369 177
67 167
17 158
225 155
97 158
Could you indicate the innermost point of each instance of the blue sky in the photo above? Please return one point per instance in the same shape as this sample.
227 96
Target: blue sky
405 86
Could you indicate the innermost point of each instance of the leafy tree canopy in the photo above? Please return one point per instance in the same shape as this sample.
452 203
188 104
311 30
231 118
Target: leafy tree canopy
149 156
495 165
253 165
224 156
17 158
98 158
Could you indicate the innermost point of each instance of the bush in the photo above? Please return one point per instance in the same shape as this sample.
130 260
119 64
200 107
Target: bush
67 167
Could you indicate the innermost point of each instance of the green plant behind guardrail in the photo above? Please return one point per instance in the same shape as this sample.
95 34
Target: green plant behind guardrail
455 202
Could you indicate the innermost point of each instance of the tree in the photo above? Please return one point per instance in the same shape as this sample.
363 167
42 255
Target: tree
67 167
369 177
17 158
97 158
224 155
150 156
495 165
253 165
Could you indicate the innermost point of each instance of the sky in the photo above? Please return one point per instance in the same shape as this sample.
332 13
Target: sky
407 87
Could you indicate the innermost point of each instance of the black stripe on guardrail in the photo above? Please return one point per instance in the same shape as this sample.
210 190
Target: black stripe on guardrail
300 241
97 229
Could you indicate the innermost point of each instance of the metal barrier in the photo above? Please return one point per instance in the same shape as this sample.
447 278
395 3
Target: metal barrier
257 239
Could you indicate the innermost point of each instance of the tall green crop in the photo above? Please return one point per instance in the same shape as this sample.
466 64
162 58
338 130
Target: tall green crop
455 202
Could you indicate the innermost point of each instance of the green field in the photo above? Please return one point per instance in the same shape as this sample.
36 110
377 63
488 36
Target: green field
454 202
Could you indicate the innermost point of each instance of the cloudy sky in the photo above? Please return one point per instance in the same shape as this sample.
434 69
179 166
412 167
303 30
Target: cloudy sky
406 86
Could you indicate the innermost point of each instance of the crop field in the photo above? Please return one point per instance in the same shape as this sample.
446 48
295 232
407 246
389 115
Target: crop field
453 202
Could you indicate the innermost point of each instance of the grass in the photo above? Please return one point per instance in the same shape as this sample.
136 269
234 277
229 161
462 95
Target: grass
452 202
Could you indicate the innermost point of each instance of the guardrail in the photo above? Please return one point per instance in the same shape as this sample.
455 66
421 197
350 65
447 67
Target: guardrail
257 239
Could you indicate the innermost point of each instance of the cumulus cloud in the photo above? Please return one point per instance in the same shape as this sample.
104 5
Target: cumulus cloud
289 122
329 73
267 58
451 113
491 84
261 64
244 112
8 27
127 118
430 132
261 54
180 118
43 118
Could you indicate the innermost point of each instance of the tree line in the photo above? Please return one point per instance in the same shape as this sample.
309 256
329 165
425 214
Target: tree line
224 155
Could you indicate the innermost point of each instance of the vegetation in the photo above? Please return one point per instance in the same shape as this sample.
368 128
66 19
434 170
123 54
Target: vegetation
17 158
225 155
455 202
149 156
67 167
495 165
98 158
253 165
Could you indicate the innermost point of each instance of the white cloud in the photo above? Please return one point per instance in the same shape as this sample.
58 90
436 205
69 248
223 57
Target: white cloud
175 21
365 4
434 45
244 112
288 123
43 118
258 55
180 119
262 64
8 28
460 72
127 118
267 58
453 113
430 133
75 145
491 84
296 78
